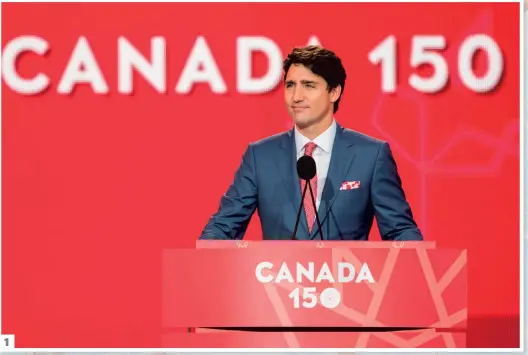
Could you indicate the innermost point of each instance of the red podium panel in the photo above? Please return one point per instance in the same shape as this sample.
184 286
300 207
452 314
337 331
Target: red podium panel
423 339
357 286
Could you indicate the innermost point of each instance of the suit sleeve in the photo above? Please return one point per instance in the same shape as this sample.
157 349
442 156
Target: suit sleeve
237 205
393 213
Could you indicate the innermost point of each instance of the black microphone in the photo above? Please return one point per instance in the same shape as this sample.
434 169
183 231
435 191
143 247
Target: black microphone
306 170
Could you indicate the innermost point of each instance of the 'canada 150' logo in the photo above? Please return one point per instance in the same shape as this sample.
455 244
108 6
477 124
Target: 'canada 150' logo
201 66
329 297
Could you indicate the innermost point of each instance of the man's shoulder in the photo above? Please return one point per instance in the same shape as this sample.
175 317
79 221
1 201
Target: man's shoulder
362 139
271 141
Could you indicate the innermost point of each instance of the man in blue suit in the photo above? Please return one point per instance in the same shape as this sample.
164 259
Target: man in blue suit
356 179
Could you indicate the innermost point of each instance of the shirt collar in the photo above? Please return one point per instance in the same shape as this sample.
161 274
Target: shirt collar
325 140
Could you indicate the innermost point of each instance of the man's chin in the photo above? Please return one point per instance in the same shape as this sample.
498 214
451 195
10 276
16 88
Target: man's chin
303 123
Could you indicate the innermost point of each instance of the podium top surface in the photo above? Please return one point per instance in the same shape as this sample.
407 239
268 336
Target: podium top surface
223 244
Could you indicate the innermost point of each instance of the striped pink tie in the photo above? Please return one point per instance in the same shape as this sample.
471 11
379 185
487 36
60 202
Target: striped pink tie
308 205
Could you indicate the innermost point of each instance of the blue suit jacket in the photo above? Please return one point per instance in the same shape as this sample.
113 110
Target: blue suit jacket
267 181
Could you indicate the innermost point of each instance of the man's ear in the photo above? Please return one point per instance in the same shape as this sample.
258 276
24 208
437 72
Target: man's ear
335 93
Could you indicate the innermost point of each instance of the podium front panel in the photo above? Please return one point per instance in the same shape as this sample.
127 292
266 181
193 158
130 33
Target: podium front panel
376 288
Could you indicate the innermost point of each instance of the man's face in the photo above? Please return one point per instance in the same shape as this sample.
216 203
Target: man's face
307 97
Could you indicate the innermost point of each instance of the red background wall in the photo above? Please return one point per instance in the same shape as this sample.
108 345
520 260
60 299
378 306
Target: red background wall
96 186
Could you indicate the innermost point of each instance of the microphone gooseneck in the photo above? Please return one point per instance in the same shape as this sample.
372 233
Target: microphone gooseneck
306 169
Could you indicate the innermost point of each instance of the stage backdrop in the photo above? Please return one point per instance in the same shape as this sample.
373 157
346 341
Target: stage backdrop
123 124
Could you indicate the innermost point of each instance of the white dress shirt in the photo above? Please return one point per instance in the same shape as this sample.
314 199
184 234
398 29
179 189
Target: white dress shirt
321 154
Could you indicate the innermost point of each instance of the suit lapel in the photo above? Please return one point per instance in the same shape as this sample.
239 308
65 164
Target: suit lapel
287 162
341 160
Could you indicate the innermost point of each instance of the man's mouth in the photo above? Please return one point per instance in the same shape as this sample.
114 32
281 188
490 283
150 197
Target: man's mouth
299 108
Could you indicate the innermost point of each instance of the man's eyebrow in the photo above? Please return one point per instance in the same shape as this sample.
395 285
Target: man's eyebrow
302 82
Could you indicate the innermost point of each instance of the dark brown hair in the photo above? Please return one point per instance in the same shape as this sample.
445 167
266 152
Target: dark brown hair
322 62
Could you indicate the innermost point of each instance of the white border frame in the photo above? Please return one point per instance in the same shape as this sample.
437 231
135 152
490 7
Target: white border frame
522 118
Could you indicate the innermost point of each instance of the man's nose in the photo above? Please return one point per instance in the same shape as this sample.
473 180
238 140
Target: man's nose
298 95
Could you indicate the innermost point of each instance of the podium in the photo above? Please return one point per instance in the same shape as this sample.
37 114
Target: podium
315 294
